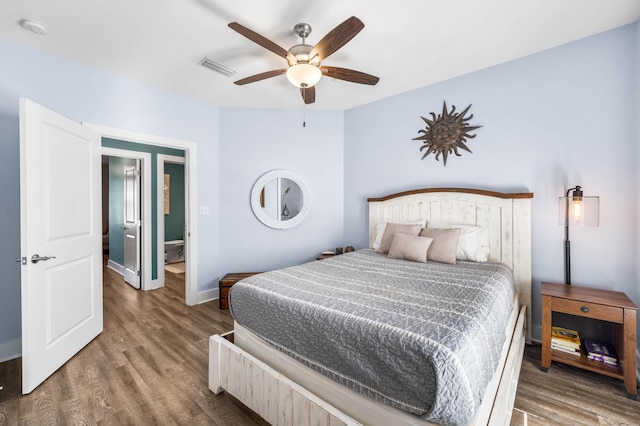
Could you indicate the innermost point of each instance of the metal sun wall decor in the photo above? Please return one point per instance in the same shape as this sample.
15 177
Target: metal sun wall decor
446 132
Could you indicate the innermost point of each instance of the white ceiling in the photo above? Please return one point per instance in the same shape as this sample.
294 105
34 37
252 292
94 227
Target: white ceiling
407 43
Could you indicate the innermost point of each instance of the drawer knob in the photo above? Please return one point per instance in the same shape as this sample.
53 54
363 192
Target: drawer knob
584 309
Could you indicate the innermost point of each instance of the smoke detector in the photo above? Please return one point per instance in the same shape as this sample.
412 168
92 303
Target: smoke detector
33 26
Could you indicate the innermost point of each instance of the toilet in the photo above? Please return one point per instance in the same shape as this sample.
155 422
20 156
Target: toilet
174 251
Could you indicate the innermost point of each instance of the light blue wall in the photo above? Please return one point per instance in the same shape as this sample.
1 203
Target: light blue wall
255 141
636 53
10 332
563 117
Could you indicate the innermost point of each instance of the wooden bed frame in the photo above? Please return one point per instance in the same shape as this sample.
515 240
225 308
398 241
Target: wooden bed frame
505 221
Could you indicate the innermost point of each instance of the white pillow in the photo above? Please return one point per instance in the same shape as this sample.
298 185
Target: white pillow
380 231
470 244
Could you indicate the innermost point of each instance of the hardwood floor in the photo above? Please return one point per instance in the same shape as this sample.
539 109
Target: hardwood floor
566 395
150 364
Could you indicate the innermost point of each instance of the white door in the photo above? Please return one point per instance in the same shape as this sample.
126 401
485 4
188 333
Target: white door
60 223
132 223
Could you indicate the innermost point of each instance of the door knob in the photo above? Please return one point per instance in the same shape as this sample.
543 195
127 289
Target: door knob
36 258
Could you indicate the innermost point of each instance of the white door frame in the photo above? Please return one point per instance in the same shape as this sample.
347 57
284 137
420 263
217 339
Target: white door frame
145 165
191 194
161 160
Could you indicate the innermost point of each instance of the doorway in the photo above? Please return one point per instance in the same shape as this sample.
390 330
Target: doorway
172 202
122 214
152 255
60 208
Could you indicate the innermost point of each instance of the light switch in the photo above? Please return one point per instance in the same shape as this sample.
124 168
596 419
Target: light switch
204 210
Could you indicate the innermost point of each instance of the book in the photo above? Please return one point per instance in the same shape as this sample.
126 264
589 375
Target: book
565 337
601 351
566 350
565 345
603 360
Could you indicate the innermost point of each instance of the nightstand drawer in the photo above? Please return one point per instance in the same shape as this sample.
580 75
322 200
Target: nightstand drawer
589 310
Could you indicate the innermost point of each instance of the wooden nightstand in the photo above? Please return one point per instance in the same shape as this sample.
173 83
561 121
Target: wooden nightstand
227 282
605 305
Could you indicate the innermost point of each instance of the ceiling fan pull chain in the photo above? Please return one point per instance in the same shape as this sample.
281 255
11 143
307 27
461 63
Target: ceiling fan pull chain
304 109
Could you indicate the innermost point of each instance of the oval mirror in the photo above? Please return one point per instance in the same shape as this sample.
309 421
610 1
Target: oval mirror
280 199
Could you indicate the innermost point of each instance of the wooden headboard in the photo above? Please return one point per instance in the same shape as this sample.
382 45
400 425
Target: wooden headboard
504 220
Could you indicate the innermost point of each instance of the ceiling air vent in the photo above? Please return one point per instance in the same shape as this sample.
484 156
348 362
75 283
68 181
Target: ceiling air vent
218 67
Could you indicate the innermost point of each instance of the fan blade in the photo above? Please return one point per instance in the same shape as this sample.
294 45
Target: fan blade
336 38
350 75
261 76
262 41
308 94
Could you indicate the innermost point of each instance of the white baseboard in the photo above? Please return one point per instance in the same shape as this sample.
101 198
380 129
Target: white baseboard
10 350
154 284
207 295
116 267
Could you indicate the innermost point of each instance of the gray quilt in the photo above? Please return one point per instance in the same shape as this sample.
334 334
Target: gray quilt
424 338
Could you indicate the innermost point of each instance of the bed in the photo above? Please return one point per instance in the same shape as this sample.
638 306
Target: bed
278 385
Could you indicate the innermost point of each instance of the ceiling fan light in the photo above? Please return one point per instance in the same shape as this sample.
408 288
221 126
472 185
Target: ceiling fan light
304 75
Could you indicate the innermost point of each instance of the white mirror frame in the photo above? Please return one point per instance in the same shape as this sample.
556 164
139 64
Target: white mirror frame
259 211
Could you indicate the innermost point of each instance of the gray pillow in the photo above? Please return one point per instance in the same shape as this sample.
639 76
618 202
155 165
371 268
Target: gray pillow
396 228
444 245
410 247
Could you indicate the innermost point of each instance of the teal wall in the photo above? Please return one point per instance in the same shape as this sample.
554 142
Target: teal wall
174 221
114 202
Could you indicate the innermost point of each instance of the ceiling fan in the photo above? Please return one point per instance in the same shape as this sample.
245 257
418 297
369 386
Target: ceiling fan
305 69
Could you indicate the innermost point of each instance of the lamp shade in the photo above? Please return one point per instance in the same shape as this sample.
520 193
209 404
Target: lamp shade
579 211
574 209
304 75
